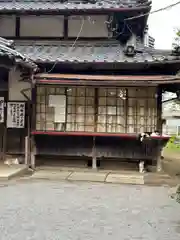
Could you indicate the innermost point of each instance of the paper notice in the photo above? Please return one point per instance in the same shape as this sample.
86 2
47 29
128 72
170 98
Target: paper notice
57 100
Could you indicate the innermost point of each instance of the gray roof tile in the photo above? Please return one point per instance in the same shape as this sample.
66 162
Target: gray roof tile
48 5
7 50
100 51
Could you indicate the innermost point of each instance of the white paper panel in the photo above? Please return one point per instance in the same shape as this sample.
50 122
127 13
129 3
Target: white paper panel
1 109
102 92
101 128
102 110
50 126
101 119
89 128
102 101
111 101
89 110
15 114
80 119
89 120
80 101
120 111
131 129
111 110
71 100
121 120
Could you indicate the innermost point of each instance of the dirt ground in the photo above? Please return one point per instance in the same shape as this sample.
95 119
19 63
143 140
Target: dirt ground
171 162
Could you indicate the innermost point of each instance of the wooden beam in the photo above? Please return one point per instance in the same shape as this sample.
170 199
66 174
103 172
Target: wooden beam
18 26
66 27
159 109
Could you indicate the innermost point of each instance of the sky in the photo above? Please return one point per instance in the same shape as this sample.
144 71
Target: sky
163 24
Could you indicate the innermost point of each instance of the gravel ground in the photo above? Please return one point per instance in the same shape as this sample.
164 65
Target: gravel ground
64 210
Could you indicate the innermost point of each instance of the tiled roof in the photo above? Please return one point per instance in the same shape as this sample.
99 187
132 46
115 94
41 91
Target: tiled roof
6 50
57 5
107 51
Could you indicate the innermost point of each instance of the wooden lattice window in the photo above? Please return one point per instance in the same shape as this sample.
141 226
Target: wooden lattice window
142 110
88 109
80 109
47 112
111 110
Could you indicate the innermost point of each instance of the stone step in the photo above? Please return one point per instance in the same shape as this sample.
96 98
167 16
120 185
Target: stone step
125 178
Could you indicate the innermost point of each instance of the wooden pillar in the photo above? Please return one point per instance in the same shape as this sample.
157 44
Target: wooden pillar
159 164
159 109
66 27
26 160
94 158
28 137
33 124
159 128
33 153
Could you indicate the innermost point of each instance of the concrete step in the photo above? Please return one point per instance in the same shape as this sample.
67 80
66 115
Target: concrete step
121 177
51 174
8 172
130 178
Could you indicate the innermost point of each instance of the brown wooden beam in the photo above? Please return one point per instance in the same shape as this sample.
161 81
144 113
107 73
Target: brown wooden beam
159 109
17 26
66 27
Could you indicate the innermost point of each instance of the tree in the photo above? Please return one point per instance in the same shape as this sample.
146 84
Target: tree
177 38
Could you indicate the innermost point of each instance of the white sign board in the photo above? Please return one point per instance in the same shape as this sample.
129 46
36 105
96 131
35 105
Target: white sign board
59 104
15 114
1 109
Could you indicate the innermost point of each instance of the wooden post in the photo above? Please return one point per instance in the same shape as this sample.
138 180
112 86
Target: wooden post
4 139
159 158
94 162
159 127
27 138
94 159
4 144
27 150
159 110
33 153
159 164
33 123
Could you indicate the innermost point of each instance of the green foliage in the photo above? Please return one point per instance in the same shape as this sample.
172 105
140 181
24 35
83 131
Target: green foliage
178 33
173 144
177 37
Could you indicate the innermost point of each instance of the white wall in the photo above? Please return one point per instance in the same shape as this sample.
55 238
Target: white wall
94 26
53 26
15 86
42 26
7 26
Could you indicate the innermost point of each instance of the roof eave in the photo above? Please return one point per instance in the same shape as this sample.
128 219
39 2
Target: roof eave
107 62
75 11
26 64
